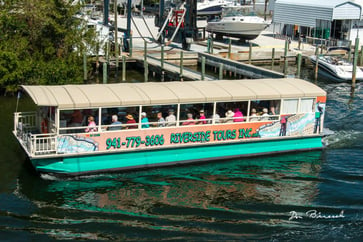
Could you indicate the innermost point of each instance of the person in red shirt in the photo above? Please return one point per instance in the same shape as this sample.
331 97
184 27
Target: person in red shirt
202 119
130 120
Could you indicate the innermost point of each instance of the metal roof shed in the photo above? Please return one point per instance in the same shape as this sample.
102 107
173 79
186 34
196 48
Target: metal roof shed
307 12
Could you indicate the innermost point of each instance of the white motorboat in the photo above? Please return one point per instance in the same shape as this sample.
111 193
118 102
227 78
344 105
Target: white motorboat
337 67
235 23
211 7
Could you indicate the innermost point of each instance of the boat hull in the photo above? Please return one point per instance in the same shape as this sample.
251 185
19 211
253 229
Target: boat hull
148 158
243 30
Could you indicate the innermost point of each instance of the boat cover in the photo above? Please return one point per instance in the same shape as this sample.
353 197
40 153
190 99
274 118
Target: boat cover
154 93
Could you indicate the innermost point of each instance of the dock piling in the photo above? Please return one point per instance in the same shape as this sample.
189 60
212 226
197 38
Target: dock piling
84 67
123 68
356 46
181 64
203 68
285 57
298 65
162 57
361 56
104 73
272 58
220 77
316 67
250 54
229 48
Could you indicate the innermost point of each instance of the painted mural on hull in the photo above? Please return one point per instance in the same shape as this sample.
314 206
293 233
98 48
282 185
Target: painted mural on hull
289 125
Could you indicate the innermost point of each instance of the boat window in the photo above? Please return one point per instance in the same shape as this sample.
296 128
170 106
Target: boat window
198 113
290 106
262 110
230 112
76 121
160 115
129 117
307 105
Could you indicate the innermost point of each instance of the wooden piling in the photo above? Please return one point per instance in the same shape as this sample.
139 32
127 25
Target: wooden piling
250 54
104 73
123 68
211 45
203 68
285 57
84 67
162 57
130 50
361 56
146 72
298 65
273 58
354 73
220 77
316 67
229 48
181 64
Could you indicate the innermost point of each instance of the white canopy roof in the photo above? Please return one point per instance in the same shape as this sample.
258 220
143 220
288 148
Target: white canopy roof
153 93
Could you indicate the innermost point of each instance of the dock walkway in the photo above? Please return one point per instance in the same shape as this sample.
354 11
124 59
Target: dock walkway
172 69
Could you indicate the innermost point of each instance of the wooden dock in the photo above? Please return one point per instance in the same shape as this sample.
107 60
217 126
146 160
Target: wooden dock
172 70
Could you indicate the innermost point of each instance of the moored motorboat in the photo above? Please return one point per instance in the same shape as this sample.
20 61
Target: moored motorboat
235 24
336 67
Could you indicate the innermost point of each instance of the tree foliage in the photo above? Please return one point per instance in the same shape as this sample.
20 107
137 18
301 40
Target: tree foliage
40 43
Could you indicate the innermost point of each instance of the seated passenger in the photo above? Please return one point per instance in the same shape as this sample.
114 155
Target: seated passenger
91 125
202 117
115 125
171 119
229 117
130 120
76 119
144 121
161 120
238 116
253 115
190 120
264 116
216 118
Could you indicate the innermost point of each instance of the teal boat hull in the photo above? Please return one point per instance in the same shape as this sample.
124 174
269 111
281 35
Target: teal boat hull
148 158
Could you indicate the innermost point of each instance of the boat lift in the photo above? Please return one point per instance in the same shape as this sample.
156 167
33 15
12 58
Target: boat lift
180 26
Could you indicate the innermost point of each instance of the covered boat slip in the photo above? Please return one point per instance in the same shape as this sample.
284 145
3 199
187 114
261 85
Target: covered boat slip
54 145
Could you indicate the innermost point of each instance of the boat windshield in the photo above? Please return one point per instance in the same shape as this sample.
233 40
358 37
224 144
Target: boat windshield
237 11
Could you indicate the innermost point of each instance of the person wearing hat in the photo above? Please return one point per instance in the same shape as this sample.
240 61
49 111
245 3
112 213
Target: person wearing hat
253 115
170 119
202 119
130 120
264 116
144 121
229 116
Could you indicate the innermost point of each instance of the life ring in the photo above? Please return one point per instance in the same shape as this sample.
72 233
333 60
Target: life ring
44 126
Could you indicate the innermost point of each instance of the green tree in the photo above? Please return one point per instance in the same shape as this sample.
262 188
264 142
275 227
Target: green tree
41 42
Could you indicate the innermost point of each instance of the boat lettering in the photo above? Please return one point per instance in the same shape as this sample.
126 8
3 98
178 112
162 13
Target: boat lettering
135 141
224 134
187 137
244 133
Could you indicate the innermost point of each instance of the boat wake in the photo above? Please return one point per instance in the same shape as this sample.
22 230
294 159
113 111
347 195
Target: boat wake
341 139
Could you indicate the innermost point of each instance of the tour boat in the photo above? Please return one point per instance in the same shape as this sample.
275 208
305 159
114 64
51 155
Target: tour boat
336 67
96 128
236 24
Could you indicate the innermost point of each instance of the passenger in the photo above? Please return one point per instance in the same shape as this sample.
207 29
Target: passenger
229 116
253 116
264 116
144 121
91 125
238 116
161 120
217 118
190 120
130 120
76 119
202 119
115 125
171 119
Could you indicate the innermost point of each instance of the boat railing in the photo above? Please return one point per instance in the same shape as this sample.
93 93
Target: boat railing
25 122
42 144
